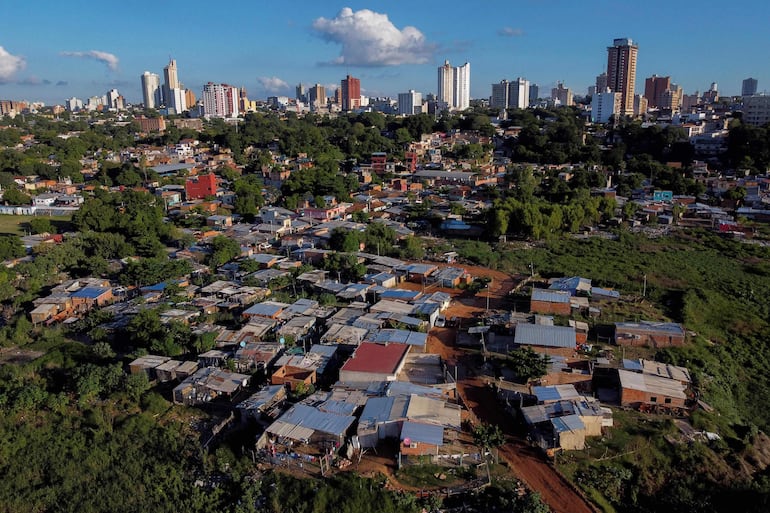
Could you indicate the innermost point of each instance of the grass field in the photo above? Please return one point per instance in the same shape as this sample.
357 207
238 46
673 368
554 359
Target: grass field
17 224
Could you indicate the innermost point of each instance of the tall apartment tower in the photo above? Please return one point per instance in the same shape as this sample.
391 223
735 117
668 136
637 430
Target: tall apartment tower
621 72
454 86
171 79
151 92
409 103
499 98
534 94
300 93
601 83
351 93
316 97
749 87
654 87
220 101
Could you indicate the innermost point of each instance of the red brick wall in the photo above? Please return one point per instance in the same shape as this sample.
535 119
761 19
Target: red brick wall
545 307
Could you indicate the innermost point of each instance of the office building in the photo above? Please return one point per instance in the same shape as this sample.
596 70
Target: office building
220 101
534 93
454 86
152 95
712 95
299 93
350 91
605 105
671 98
409 103
749 87
507 94
654 87
621 72
640 105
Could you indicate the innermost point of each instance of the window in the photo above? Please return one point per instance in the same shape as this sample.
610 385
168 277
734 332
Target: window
653 399
413 445
667 400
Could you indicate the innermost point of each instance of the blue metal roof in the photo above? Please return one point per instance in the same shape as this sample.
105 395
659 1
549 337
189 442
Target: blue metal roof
632 365
670 328
377 409
598 291
405 295
90 292
567 423
550 296
412 338
424 433
547 336
317 420
552 393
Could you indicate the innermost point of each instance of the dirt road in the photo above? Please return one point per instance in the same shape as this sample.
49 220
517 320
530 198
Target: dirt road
526 462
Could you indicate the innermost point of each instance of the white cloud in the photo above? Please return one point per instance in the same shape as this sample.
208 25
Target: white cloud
273 84
369 38
510 32
9 65
107 58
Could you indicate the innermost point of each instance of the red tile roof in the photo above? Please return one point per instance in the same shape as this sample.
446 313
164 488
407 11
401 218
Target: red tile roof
376 358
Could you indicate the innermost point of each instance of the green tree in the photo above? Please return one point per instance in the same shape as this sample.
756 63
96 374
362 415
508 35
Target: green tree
527 364
13 196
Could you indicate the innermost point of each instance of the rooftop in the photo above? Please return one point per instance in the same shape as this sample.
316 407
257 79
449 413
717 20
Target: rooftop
546 336
376 358
550 296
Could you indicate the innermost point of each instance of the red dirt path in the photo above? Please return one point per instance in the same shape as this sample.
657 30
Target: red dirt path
527 463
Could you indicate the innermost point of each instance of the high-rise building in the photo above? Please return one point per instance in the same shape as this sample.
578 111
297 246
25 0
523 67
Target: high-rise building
601 83
756 110
671 98
351 93
316 97
712 95
73 104
621 72
518 93
749 87
189 98
640 105
562 94
605 105
534 93
300 93
409 103
689 101
454 86
654 87
152 95
114 100
220 101
499 98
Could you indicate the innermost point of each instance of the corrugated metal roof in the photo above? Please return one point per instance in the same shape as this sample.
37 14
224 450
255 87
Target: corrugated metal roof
670 328
91 292
550 296
338 407
547 336
632 365
377 409
259 399
407 389
266 309
376 358
433 411
307 417
412 338
572 284
650 384
404 295
598 291
422 433
547 394
567 423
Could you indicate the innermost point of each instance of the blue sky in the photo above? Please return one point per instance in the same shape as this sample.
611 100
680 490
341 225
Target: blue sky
52 50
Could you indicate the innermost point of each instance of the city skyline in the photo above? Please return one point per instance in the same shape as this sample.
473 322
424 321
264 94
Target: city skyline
391 48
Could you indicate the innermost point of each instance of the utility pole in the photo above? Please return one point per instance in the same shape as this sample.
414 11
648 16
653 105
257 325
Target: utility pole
644 287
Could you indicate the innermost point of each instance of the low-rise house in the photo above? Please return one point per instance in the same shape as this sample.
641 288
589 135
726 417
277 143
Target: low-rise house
307 424
294 377
418 341
647 333
418 439
255 355
451 277
263 405
556 302
549 337
267 309
147 364
647 391
208 384
418 273
344 334
374 362
167 370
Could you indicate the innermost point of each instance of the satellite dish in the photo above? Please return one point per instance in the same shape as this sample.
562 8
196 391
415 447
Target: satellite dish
407 441
282 340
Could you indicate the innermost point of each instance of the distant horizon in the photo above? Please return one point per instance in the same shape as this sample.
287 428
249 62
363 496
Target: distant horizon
390 47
